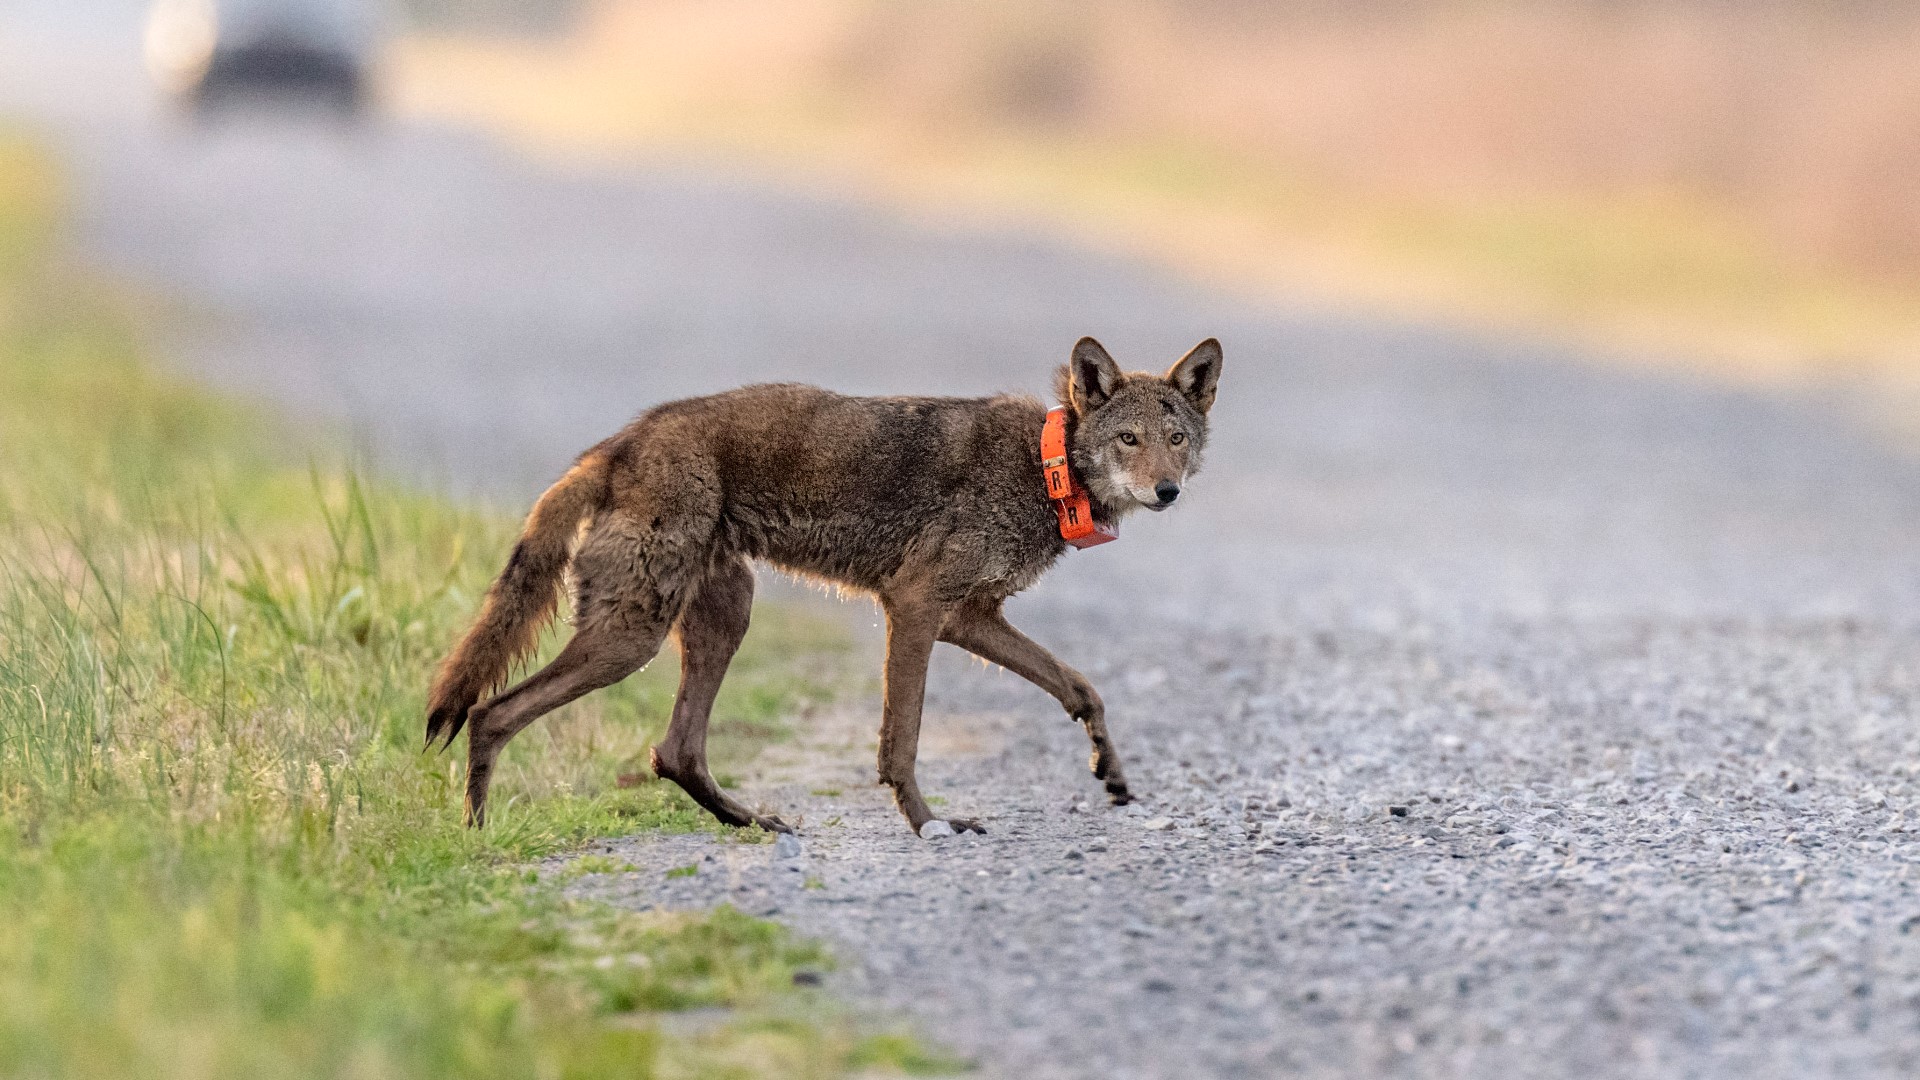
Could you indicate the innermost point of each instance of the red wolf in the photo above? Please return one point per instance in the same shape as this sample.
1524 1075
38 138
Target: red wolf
936 506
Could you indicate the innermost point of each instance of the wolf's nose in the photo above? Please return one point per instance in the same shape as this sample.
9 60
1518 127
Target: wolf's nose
1167 490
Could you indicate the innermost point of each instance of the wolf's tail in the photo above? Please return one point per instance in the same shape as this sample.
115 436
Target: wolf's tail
520 602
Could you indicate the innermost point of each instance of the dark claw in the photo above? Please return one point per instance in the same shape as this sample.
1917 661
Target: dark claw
961 825
772 824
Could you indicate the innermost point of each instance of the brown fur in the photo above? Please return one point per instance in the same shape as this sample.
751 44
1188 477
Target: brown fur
934 505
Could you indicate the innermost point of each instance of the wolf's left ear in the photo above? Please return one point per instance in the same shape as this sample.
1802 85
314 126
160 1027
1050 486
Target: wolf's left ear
1197 375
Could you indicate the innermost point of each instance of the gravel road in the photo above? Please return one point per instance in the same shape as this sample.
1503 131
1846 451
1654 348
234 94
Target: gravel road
1497 713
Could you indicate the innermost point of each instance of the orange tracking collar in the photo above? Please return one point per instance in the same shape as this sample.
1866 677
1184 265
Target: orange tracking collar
1069 496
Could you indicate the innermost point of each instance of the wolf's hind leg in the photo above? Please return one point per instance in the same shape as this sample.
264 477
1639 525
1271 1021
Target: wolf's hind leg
709 630
982 629
631 582
600 654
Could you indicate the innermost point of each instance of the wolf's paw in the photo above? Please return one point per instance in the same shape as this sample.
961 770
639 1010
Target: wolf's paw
1118 795
772 823
938 828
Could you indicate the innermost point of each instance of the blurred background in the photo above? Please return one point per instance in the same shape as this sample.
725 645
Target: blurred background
1695 180
1727 179
1436 237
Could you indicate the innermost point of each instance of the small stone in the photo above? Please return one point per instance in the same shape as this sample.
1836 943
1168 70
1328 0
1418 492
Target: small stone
807 978
935 830
787 846
1159 824
1157 986
1074 853
1097 845
1397 811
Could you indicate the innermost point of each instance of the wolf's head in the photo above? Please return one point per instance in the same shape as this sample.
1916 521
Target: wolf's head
1138 436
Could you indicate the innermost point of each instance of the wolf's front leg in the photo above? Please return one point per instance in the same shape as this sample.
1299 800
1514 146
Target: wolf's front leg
982 629
1104 761
912 628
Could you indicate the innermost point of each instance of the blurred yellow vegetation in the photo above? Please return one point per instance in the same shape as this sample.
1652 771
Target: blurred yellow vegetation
1718 184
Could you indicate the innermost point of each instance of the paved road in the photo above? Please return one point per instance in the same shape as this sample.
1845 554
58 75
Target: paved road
1499 714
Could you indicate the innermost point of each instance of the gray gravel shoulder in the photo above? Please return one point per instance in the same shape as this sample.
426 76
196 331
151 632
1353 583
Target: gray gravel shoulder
1540 854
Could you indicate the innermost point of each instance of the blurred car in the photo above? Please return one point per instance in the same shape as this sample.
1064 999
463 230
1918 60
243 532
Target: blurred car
210 52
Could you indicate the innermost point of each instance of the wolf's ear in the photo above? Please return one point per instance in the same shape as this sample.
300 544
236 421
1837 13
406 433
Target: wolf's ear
1092 376
1197 375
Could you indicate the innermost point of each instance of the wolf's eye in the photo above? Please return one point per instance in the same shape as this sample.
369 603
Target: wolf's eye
1177 438
1127 437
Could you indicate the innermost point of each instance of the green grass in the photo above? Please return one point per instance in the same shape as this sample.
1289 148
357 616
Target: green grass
222 852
